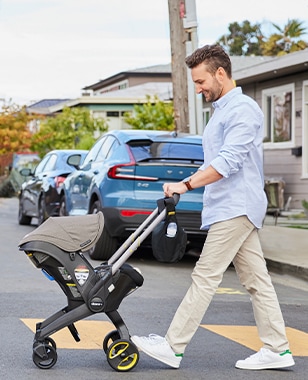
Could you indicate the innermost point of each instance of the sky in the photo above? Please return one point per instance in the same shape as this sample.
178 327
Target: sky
53 48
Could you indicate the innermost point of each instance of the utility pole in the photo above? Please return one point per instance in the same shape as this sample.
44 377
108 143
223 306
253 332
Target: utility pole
183 41
178 67
194 100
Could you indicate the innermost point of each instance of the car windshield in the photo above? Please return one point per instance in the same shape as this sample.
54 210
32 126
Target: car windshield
170 151
25 160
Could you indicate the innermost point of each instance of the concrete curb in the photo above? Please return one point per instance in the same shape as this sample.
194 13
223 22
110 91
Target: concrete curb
285 250
283 268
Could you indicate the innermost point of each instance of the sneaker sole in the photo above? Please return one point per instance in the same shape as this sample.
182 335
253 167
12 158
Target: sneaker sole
277 365
163 360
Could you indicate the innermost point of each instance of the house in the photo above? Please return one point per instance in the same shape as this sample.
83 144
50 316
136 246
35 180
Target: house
127 79
278 84
112 97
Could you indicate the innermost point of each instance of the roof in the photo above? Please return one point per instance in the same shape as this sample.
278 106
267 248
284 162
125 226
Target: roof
241 62
154 71
130 95
43 106
275 66
47 102
162 89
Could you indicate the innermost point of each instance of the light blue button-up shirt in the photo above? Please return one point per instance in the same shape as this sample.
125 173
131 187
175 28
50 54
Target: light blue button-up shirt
232 144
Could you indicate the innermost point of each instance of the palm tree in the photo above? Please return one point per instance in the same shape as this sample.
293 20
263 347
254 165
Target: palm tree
288 40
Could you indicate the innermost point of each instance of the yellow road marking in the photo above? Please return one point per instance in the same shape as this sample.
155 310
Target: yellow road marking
91 333
229 291
248 337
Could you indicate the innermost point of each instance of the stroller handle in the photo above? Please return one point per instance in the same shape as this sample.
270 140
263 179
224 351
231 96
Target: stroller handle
134 240
176 198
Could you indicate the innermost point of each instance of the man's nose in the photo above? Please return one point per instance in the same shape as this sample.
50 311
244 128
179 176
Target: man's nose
198 89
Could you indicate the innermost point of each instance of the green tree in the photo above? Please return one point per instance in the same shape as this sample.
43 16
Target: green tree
287 39
248 39
242 39
14 131
154 114
73 128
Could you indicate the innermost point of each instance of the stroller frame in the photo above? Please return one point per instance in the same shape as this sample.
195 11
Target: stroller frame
57 247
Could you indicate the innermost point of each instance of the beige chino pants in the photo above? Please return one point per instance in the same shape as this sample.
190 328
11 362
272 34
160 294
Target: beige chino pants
234 240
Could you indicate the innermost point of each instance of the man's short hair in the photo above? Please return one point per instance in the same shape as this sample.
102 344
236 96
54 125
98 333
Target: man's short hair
213 56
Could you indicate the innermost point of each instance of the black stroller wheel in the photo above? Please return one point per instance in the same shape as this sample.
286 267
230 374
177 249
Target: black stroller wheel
46 361
110 338
122 355
50 342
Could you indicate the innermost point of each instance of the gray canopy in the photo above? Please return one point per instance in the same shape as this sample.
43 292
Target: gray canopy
70 233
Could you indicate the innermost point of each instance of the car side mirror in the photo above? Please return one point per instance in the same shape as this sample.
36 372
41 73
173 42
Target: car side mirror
74 160
26 172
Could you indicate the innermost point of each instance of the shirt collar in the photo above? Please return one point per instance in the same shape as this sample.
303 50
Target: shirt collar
221 102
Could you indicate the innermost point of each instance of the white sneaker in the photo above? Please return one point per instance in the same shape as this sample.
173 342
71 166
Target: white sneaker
158 348
266 359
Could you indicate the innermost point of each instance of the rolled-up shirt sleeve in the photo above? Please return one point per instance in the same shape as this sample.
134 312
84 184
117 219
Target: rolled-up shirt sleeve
240 133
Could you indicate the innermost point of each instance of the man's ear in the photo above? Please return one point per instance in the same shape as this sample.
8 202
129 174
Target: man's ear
221 74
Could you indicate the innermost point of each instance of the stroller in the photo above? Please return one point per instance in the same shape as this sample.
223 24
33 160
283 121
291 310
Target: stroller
57 247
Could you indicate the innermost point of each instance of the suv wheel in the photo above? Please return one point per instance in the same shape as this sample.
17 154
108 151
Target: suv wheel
62 211
22 218
106 244
42 216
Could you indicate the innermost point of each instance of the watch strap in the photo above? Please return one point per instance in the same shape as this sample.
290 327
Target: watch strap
188 185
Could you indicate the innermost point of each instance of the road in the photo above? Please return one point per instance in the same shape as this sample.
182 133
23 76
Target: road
227 332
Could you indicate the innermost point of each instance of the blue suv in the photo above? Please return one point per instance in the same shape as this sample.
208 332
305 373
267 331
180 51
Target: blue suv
123 175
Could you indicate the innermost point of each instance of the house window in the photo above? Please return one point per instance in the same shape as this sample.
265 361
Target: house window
113 114
305 130
206 116
278 107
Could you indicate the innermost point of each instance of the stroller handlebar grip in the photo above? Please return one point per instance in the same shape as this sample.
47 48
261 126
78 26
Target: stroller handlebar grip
176 198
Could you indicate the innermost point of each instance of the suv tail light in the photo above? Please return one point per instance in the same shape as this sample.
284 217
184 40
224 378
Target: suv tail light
124 172
127 171
59 181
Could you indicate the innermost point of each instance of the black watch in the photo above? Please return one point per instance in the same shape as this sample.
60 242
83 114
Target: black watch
187 184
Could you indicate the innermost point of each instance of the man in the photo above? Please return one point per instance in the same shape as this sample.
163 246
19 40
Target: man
234 209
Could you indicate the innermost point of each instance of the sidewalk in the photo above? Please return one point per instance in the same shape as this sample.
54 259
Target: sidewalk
285 248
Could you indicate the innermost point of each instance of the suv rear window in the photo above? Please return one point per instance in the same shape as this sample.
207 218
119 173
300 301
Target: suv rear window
148 151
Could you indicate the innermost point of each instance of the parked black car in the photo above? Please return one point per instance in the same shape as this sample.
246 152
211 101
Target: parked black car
40 195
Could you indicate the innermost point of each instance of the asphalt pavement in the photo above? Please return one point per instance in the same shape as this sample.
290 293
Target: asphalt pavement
227 332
